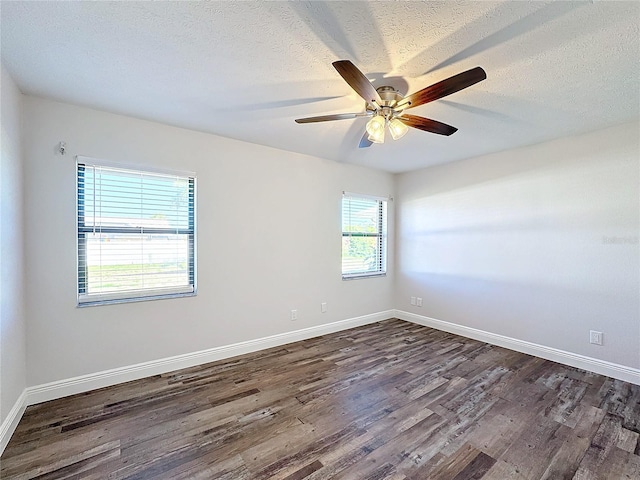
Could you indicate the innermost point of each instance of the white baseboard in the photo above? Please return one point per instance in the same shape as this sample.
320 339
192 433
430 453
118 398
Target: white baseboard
11 422
602 367
106 378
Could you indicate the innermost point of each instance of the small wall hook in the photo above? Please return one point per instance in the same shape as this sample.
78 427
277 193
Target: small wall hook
62 148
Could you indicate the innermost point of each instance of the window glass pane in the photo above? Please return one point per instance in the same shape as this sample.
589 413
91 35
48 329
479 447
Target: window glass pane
117 262
360 215
135 199
359 255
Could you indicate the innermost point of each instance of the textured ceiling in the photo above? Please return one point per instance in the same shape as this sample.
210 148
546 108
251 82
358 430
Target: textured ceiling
246 70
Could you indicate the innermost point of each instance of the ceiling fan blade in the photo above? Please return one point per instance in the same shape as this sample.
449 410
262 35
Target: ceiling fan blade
445 87
364 141
427 124
328 118
356 79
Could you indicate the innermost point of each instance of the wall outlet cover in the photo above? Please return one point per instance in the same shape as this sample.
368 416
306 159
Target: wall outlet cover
595 337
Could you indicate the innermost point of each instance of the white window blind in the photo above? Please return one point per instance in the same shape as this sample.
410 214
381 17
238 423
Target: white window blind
136 234
364 236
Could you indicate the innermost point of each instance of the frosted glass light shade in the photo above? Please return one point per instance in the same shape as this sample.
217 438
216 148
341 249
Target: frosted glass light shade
375 129
397 129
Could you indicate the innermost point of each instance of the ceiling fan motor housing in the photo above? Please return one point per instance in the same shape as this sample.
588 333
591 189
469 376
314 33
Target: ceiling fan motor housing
390 98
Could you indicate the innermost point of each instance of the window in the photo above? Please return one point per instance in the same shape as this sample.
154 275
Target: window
136 234
364 236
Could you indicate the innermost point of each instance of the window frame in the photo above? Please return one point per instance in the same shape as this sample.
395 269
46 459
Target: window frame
83 299
381 235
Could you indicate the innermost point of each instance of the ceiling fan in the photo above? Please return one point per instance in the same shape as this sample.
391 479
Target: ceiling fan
386 106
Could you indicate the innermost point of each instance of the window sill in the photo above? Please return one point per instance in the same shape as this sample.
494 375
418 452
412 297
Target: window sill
113 301
364 275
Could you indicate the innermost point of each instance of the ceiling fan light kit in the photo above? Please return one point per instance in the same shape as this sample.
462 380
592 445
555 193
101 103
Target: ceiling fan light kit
397 129
375 129
386 105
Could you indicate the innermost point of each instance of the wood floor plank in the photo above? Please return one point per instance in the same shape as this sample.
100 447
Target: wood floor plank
397 449
539 440
390 400
567 458
453 465
495 433
501 470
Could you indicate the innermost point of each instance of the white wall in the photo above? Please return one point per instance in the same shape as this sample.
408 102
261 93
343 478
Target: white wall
538 244
12 318
268 241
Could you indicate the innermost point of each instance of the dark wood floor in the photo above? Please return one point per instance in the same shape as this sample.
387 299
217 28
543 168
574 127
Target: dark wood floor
390 400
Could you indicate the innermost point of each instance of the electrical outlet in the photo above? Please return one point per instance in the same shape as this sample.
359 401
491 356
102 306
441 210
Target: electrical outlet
413 300
595 337
294 315
419 301
323 307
